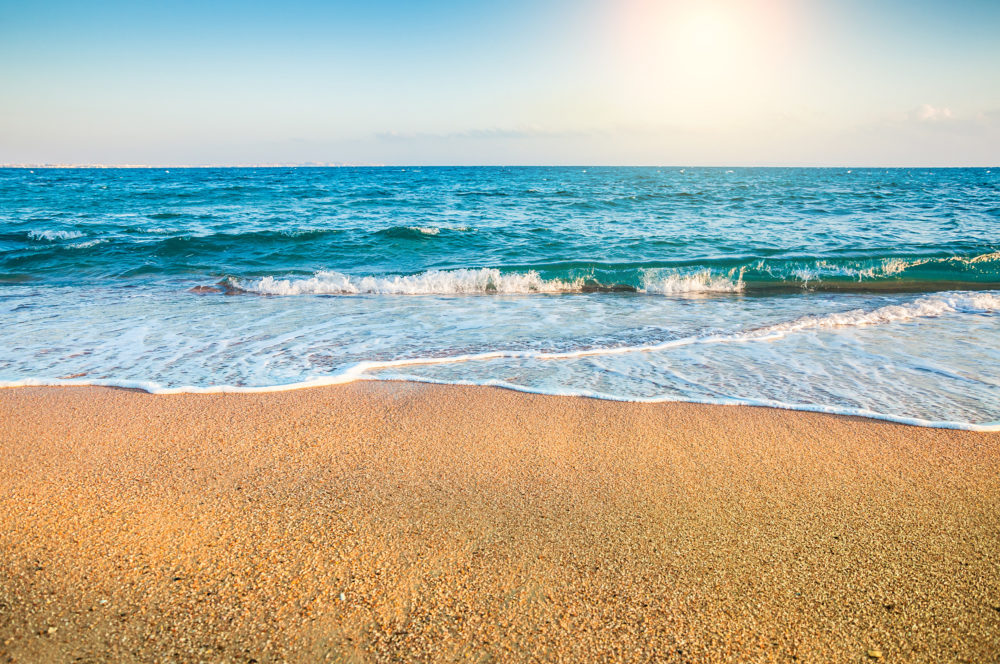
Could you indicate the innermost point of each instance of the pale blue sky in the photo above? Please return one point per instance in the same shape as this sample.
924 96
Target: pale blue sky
716 82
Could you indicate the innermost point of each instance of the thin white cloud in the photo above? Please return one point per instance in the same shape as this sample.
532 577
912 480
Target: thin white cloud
928 113
487 133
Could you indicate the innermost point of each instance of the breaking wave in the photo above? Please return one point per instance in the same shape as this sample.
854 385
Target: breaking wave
704 281
52 236
980 272
483 280
417 232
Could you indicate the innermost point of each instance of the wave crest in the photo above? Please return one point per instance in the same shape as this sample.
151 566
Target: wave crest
418 232
890 274
431 282
52 236
703 281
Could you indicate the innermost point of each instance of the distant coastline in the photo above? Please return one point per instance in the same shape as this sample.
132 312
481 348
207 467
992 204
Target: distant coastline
153 166
381 165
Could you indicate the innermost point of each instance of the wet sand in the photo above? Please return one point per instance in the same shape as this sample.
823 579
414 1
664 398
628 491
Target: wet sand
396 521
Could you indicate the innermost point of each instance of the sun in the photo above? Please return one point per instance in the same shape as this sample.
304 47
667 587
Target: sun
705 42
663 35
695 58
704 30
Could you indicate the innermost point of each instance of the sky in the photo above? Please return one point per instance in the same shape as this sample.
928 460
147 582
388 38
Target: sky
643 82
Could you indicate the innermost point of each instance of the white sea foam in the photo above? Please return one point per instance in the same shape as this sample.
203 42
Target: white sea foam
764 403
982 258
656 282
482 280
931 306
88 243
925 307
356 373
52 236
466 281
436 230
880 269
886 268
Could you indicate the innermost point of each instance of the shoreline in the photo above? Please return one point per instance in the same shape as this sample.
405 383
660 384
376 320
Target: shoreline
356 374
387 519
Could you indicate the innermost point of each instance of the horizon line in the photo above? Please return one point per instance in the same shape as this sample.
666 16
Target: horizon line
57 166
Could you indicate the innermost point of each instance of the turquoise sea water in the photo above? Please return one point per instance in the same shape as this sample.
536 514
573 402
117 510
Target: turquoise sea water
859 291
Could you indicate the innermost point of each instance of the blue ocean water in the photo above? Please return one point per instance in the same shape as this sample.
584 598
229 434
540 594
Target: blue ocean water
866 291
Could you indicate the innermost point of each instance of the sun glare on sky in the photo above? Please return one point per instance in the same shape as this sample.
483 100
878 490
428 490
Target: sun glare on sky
700 60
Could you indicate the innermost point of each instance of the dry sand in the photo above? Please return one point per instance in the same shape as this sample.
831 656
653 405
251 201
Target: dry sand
394 521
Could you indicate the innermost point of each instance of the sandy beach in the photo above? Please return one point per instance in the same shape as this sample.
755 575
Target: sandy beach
406 522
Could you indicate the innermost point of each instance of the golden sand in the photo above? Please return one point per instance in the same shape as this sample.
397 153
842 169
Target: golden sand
395 521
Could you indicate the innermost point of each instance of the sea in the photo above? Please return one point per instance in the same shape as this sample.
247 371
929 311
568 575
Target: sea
870 292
